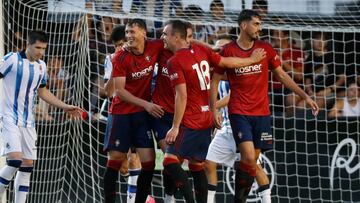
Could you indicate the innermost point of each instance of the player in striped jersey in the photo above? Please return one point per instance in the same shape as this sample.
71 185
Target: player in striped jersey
222 150
24 77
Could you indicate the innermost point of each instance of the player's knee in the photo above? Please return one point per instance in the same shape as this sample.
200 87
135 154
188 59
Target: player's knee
114 164
27 163
170 160
16 163
196 167
148 166
249 160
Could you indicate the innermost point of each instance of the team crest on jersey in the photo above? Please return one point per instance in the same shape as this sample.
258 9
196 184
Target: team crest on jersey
41 67
148 58
117 143
8 146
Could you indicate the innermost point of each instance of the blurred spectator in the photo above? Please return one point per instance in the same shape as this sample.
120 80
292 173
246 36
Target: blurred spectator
57 79
18 42
292 59
260 6
217 15
348 106
100 46
117 6
324 76
196 15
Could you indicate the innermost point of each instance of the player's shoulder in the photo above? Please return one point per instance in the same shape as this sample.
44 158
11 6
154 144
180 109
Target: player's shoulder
41 62
263 44
121 55
10 56
154 42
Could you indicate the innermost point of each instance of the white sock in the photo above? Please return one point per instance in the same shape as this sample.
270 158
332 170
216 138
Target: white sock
132 182
265 196
169 199
7 173
22 184
211 196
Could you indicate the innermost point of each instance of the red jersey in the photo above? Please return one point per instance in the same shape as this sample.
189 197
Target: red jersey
138 70
295 57
192 67
249 84
164 93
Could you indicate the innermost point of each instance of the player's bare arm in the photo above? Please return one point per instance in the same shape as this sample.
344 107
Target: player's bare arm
109 87
120 91
284 78
47 96
213 98
235 62
180 105
222 102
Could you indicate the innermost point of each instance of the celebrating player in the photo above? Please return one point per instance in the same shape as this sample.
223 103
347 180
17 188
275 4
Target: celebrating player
222 149
130 167
249 112
189 136
131 106
24 75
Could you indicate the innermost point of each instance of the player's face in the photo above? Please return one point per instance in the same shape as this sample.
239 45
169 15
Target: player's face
36 51
118 45
319 44
135 35
253 28
189 35
54 66
353 91
168 38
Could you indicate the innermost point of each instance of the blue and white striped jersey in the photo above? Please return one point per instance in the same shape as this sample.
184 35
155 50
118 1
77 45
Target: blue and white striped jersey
108 66
224 90
21 79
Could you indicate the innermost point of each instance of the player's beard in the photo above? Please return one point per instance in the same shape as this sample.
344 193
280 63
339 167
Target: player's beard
255 36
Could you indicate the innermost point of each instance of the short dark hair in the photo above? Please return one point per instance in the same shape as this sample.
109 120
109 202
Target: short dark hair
188 25
193 11
322 35
178 26
118 33
247 15
215 3
138 22
37 35
260 4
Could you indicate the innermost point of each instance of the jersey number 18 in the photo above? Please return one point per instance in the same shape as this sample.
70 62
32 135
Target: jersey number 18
203 73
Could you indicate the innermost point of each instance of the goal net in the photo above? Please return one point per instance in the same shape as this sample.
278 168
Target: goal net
313 160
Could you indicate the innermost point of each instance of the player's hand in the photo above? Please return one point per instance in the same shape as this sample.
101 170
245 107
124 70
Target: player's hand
154 110
313 105
217 119
258 55
73 111
171 135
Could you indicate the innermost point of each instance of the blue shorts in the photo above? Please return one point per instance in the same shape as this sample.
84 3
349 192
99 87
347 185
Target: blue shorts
162 125
126 131
191 144
252 128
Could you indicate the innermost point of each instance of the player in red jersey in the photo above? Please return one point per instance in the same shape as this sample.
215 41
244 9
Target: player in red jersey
190 134
249 112
164 95
131 106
